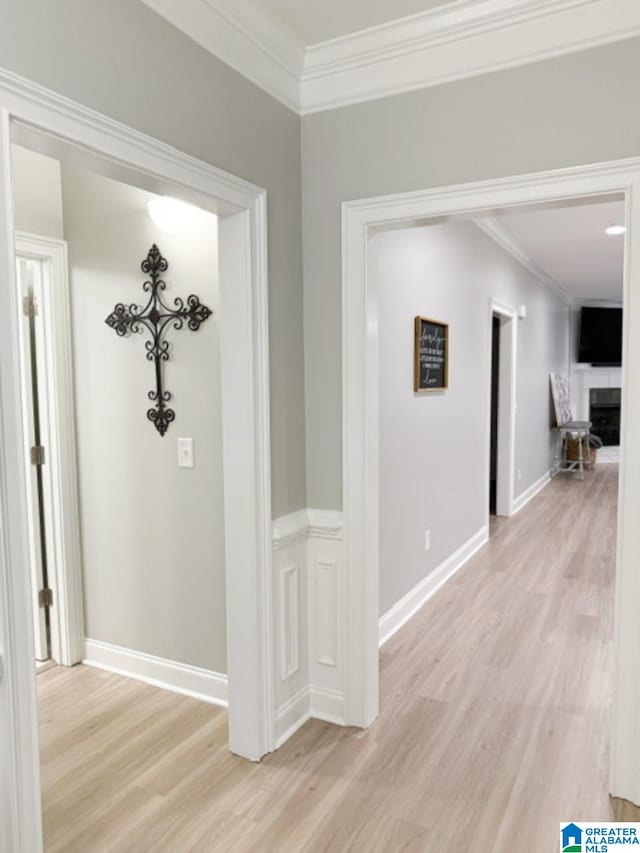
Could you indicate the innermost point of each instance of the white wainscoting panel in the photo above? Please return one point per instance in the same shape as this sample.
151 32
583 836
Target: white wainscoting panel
307 556
406 607
326 620
192 681
324 612
291 650
290 621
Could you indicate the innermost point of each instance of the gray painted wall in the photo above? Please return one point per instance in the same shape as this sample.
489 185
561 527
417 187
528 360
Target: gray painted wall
119 57
434 447
37 193
152 533
576 109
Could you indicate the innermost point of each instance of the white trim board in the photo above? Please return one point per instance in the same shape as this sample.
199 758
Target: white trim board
203 684
530 493
398 615
450 42
359 589
321 523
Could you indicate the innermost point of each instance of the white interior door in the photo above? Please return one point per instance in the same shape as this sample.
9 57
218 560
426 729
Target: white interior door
28 287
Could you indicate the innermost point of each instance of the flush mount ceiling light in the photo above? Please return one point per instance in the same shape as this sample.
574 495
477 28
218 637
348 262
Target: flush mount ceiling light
171 215
615 230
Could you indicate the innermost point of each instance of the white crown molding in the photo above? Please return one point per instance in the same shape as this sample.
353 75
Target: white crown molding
450 22
497 232
461 39
458 41
243 35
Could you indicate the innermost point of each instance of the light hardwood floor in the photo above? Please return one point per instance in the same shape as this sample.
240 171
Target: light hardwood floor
494 723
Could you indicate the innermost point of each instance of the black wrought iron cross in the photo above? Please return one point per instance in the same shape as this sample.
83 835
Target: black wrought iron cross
157 317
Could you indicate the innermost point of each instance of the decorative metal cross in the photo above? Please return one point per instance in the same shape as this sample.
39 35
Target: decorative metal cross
157 317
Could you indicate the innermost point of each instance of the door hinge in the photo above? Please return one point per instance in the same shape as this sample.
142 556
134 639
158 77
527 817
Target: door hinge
45 597
37 455
29 306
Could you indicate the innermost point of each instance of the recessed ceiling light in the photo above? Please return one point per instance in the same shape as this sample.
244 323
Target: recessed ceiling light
615 230
171 215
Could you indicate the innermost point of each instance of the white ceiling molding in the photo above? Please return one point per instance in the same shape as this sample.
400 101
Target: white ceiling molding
451 43
244 36
461 39
497 232
436 26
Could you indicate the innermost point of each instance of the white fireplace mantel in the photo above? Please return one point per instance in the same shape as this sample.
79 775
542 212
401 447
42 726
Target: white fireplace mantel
584 377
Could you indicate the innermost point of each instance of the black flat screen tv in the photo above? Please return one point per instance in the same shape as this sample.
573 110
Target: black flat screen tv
600 336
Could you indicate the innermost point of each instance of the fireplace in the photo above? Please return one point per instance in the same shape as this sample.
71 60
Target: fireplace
604 414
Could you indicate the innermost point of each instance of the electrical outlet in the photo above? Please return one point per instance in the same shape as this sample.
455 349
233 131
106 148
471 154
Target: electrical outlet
427 540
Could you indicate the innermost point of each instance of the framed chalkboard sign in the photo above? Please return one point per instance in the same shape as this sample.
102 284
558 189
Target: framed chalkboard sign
431 355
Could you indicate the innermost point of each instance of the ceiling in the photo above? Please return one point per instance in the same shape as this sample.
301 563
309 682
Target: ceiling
570 246
313 21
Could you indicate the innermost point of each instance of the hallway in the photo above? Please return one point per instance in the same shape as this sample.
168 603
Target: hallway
494 723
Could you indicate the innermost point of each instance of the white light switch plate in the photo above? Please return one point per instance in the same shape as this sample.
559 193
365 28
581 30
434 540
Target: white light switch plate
185 453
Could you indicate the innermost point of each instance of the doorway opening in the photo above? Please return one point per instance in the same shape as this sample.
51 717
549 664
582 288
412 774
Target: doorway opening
502 391
147 614
113 153
495 382
449 449
30 273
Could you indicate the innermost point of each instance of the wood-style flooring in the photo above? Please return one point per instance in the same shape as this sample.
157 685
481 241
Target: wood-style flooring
494 723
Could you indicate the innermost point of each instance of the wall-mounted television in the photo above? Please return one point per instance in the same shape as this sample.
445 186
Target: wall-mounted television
600 336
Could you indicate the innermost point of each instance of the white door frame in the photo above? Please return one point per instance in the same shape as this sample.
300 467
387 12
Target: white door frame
60 471
241 208
359 593
507 385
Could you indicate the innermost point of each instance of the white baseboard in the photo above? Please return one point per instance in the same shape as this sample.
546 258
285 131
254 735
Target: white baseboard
191 681
530 493
292 716
409 604
308 703
327 705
